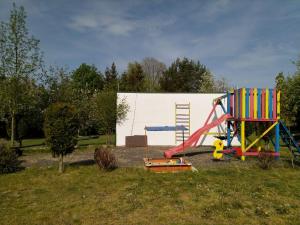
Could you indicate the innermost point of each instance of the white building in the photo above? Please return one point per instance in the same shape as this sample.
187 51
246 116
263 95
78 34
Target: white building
158 109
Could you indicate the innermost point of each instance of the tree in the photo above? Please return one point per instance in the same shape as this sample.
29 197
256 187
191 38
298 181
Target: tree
107 112
21 61
134 79
221 85
61 125
87 79
111 77
290 98
58 85
153 70
185 76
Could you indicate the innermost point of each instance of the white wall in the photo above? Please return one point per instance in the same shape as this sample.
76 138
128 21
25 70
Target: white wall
157 109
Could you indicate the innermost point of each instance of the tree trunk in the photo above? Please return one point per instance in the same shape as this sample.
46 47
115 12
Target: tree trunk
13 127
106 137
61 163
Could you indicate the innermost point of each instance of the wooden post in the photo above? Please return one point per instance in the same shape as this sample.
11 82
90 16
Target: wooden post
243 123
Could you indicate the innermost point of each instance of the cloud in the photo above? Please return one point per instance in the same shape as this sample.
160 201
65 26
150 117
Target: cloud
260 56
119 18
111 24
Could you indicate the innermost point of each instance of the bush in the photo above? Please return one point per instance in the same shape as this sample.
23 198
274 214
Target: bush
265 159
17 150
8 159
61 127
105 159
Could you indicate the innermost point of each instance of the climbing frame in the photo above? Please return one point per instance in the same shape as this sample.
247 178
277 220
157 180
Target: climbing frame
182 118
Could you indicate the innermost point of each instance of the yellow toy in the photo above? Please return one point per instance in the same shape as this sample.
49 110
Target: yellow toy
217 154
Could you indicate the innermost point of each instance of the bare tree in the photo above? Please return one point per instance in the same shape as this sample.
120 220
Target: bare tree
153 70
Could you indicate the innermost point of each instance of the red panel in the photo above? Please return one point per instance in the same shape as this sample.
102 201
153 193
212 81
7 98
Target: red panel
236 104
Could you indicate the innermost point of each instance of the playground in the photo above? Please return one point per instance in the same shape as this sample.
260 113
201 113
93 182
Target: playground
248 125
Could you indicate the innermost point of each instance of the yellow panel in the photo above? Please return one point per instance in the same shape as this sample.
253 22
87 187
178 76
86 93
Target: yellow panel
278 105
255 103
243 138
243 103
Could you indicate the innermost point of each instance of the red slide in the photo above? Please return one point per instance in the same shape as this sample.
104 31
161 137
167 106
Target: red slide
195 136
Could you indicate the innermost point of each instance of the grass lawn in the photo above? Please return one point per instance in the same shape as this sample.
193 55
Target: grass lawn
85 195
38 145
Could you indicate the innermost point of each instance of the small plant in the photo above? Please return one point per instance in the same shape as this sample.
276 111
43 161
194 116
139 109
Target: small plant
8 159
265 159
105 159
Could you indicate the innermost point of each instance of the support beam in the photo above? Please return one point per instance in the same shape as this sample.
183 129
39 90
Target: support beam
261 136
277 138
278 105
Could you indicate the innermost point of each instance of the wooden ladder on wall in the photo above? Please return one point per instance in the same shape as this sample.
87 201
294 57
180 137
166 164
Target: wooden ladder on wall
182 118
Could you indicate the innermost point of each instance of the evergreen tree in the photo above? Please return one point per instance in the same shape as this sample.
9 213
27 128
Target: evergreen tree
111 77
134 79
61 125
186 76
87 79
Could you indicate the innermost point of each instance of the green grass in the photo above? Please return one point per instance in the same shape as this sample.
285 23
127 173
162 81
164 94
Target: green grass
38 145
85 195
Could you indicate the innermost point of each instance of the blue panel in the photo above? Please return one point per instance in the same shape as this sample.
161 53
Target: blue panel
228 134
277 138
228 102
258 103
165 128
270 103
247 102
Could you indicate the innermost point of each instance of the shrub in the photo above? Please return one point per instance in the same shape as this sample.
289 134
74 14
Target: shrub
265 159
61 127
17 150
8 159
105 159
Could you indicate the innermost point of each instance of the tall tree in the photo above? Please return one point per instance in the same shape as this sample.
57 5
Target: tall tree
185 75
58 85
21 61
87 79
153 70
87 82
133 80
290 98
108 111
111 77
220 85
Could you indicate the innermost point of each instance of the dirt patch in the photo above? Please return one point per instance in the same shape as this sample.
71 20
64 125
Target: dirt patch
127 157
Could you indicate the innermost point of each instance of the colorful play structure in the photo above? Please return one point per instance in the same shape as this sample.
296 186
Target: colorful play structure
250 112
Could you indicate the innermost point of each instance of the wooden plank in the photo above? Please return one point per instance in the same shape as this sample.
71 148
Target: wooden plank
251 105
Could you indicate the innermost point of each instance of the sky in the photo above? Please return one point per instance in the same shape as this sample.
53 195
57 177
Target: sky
246 42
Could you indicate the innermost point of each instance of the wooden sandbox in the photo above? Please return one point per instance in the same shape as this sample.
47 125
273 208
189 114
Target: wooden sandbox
163 165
